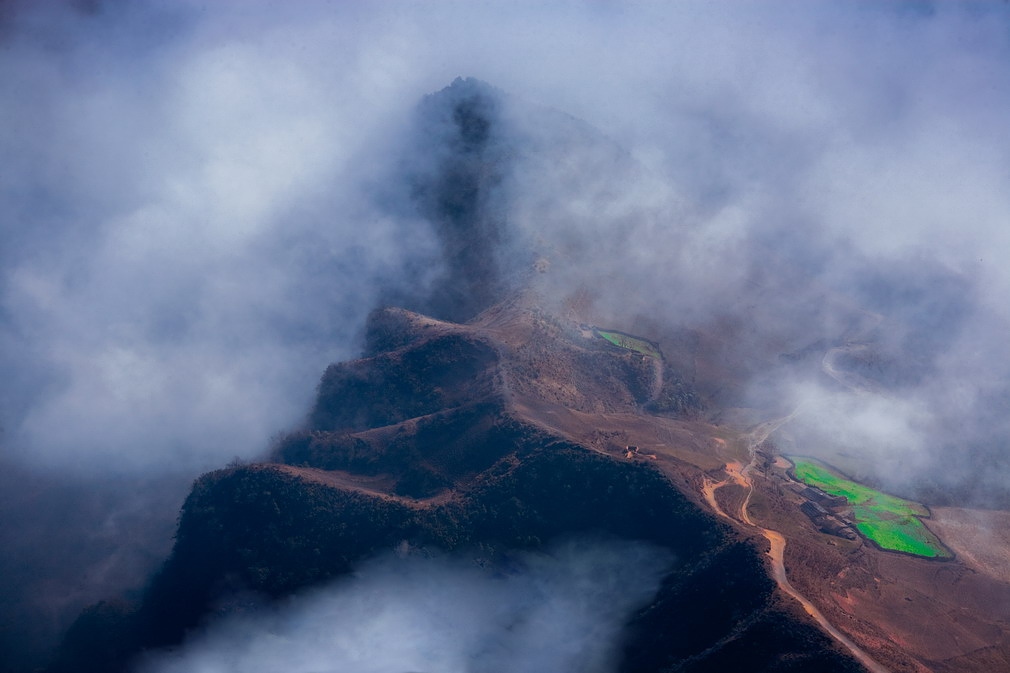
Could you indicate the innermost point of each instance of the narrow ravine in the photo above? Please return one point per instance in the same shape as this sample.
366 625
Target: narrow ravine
739 475
657 379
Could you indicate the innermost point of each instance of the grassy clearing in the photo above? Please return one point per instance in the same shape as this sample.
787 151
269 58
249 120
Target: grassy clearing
892 522
630 342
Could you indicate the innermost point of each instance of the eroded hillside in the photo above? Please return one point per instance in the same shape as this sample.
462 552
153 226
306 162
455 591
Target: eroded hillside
456 441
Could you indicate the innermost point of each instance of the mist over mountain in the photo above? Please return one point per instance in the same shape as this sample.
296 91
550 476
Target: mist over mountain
558 611
805 206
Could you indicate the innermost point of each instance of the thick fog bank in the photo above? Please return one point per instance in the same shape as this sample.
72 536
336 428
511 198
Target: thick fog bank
207 199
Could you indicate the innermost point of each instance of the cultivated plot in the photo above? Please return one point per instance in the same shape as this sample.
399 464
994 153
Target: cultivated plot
892 523
632 343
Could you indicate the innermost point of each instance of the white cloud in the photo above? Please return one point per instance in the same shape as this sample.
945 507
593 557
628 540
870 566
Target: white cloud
562 611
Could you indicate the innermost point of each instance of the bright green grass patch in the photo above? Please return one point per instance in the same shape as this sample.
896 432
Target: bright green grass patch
891 522
631 343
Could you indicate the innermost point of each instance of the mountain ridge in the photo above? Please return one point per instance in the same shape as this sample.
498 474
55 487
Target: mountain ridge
490 414
277 528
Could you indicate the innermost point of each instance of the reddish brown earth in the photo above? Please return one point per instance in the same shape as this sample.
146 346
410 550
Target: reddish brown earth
980 538
906 613
436 410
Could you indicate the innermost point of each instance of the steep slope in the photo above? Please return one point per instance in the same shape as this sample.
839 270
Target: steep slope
467 452
455 174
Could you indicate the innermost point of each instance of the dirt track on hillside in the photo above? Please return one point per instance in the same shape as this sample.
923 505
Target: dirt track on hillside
739 475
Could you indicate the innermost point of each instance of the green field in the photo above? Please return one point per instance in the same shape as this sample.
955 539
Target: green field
631 343
892 522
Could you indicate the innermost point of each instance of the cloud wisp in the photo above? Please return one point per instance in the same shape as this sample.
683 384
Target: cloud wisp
559 611
190 238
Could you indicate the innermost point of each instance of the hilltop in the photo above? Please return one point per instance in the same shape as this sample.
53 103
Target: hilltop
507 433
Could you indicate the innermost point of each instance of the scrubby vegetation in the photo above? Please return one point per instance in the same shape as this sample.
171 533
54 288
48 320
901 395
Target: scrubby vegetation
447 371
676 396
260 531
437 451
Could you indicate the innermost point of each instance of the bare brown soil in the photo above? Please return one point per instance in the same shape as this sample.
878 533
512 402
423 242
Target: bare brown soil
738 479
910 614
378 486
689 442
731 497
980 538
904 614
907 614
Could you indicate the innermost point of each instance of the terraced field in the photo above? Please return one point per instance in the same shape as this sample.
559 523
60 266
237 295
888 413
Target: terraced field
892 523
629 342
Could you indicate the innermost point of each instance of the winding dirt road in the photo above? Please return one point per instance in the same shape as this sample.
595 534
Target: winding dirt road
739 475
855 382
